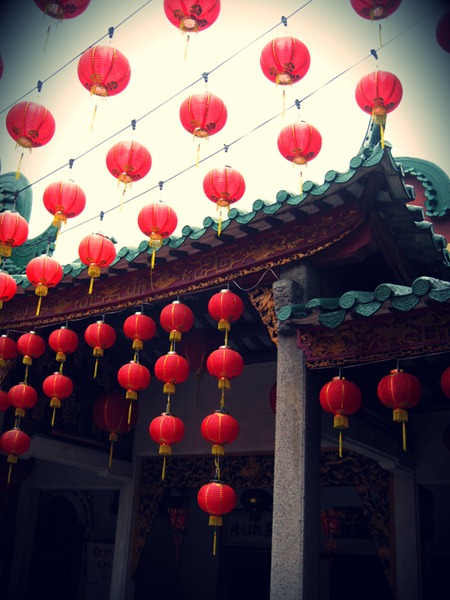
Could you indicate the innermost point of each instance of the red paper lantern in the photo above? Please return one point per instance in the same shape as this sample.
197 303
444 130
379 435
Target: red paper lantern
378 94
193 17
225 364
176 318
30 125
443 32
100 336
223 187
203 114
62 9
57 387
4 401
63 341
13 231
219 428
8 287
341 398
14 443
375 10
285 60
158 221
299 142
104 71
445 382
165 430
98 252
43 272
31 346
399 391
134 377
128 161
225 307
8 350
22 396
114 414
216 499
171 369
140 328
64 200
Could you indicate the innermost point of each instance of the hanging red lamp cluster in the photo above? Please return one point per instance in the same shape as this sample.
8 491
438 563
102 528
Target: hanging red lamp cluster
57 387
64 200
220 428
43 272
299 143
171 369
97 252
100 336
157 221
128 161
14 443
63 341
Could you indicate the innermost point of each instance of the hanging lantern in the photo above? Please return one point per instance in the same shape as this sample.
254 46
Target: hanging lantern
166 430
57 387
378 94
203 114
63 341
43 272
445 382
100 336
31 346
111 413
98 252
443 32
216 499
30 125
13 231
223 187
103 71
134 377
62 9
225 307
171 369
22 396
225 364
158 221
299 143
64 200
285 60
140 328
176 318
375 10
128 162
219 428
8 350
399 391
14 443
341 398
8 287
4 401
190 18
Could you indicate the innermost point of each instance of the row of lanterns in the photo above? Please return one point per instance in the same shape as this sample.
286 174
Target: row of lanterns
105 71
399 391
118 414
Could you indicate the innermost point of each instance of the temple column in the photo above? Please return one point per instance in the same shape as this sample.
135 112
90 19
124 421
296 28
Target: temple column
296 507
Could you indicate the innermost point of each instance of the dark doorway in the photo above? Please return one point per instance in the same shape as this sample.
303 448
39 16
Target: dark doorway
244 574
57 552
358 577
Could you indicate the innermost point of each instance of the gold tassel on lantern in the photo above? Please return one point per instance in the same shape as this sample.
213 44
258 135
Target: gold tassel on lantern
93 272
340 422
54 403
400 415
112 438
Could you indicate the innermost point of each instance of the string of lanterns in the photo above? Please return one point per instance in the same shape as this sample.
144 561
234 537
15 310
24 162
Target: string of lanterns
104 71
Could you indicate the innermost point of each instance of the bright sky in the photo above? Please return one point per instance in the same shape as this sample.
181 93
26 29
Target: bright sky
339 42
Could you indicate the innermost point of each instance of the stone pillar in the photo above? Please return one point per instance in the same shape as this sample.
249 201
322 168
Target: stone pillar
122 586
406 537
296 507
